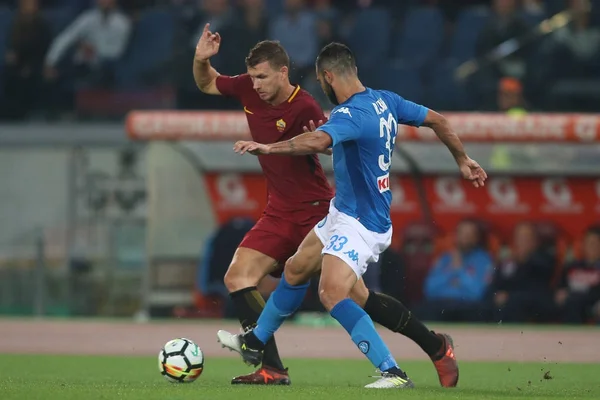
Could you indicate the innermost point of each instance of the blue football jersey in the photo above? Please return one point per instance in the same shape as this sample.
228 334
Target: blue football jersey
363 130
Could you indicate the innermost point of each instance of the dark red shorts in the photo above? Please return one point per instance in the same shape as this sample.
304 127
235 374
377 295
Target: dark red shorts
280 238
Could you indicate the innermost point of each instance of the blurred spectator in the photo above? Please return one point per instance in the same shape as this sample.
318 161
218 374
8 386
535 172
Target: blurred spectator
296 30
327 28
575 49
580 284
452 8
510 97
504 24
26 48
354 5
248 27
457 283
216 12
534 7
520 290
101 36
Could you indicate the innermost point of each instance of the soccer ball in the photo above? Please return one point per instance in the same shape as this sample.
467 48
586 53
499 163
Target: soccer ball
180 361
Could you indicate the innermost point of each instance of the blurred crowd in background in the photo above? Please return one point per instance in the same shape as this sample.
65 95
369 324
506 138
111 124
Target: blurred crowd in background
535 275
100 58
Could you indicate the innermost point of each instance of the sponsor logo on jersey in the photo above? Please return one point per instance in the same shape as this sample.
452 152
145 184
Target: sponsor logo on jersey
383 183
280 125
343 110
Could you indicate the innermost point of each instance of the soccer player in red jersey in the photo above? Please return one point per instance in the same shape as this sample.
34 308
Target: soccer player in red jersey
298 190
298 198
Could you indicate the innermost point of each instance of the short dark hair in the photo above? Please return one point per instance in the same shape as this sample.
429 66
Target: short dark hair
268 50
480 227
337 58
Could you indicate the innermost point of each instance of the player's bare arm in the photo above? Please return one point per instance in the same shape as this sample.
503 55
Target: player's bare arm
469 168
304 144
311 128
204 74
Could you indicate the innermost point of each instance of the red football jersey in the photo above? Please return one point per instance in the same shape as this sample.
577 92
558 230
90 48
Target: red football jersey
294 183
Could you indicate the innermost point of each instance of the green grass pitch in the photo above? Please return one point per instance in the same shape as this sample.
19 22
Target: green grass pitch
34 377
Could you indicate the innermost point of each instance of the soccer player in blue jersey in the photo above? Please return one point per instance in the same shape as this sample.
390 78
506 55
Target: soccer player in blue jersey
361 132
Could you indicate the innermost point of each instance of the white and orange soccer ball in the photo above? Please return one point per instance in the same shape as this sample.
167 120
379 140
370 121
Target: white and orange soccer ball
180 361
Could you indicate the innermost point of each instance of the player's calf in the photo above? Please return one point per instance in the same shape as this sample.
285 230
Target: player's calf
337 280
247 269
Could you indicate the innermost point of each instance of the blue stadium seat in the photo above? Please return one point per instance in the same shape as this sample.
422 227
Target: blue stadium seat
274 7
469 24
421 38
555 6
6 17
369 38
595 18
150 48
533 19
406 81
59 18
444 92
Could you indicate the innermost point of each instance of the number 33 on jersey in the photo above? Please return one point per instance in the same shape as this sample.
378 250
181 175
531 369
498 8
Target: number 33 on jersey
363 130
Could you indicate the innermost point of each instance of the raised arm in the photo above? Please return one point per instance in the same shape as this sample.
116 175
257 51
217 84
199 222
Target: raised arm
67 38
410 113
439 124
469 168
204 74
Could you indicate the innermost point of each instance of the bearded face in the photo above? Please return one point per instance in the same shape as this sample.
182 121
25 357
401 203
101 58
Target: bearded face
327 88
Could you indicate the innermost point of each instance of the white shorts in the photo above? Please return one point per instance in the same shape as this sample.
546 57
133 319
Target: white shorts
349 240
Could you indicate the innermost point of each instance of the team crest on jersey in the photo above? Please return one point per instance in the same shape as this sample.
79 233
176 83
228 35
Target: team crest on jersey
280 125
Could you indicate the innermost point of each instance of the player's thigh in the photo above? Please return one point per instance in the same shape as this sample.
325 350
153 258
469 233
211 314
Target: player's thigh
306 262
263 248
347 253
248 267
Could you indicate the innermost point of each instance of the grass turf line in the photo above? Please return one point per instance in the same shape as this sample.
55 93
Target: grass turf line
34 377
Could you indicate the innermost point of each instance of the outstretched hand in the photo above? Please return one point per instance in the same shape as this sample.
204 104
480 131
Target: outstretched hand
208 44
243 146
311 126
473 172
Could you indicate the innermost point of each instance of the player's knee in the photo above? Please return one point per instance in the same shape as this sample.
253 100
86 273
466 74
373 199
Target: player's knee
297 273
239 277
330 294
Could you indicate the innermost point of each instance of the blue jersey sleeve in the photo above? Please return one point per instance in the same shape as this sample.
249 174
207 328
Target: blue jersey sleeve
410 113
344 124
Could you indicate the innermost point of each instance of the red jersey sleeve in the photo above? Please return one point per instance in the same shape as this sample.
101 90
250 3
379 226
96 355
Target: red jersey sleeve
234 86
